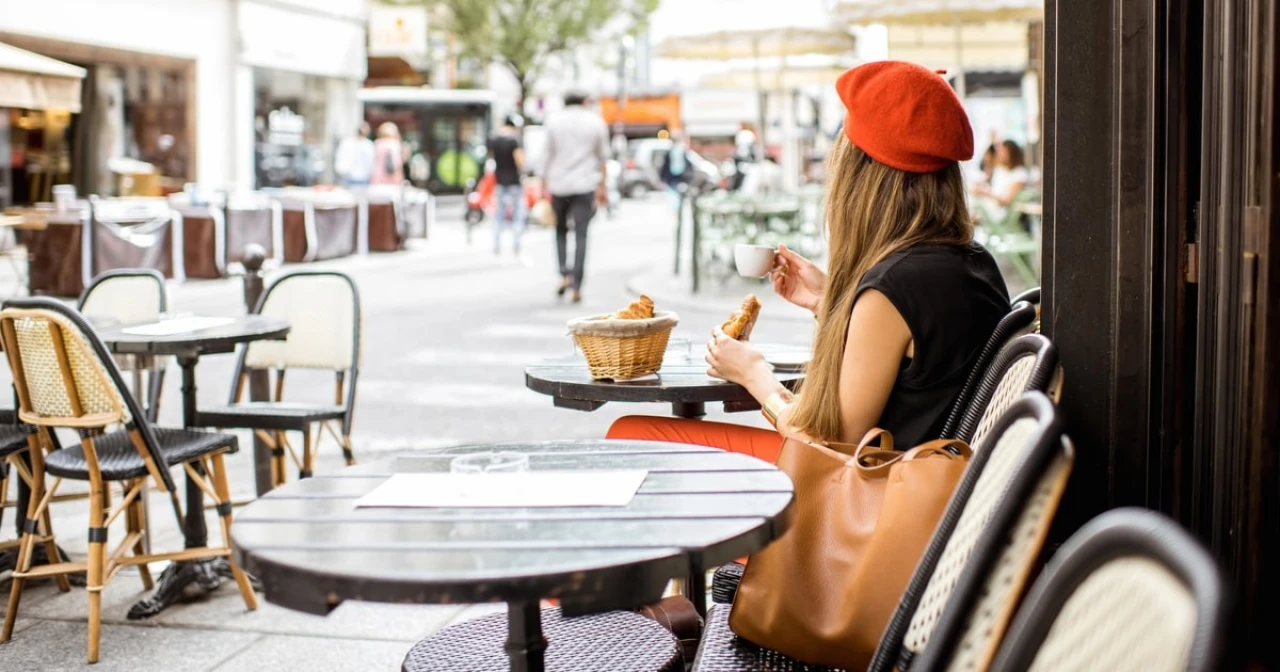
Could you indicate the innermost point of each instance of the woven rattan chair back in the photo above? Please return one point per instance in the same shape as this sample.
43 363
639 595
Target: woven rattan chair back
1130 591
65 376
1009 328
323 310
131 296
1011 489
1029 363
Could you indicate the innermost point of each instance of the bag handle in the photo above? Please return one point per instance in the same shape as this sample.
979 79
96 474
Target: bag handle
876 462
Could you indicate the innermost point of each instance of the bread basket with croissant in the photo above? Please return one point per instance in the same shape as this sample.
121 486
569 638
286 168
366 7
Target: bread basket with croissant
626 344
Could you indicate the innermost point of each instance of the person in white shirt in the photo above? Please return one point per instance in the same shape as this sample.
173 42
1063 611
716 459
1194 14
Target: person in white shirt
1007 179
354 160
574 173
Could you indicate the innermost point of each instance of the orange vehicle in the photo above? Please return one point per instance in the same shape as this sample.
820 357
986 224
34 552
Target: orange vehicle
643 115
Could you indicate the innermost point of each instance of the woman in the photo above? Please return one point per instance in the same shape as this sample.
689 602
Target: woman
909 301
1008 178
389 155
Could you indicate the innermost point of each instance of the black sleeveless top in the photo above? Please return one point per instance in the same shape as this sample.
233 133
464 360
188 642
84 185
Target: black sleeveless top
951 298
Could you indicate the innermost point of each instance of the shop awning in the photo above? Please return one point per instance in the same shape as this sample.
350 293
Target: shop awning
29 80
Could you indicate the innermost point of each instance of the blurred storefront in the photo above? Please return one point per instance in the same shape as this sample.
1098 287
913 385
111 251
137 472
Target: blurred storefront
145 83
300 65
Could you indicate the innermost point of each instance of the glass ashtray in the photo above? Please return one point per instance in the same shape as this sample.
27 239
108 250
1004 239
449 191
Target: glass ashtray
489 463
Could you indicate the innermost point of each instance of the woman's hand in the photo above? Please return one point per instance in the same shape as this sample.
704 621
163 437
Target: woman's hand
738 362
798 280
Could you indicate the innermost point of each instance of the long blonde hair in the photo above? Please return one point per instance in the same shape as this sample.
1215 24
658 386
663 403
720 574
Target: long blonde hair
872 211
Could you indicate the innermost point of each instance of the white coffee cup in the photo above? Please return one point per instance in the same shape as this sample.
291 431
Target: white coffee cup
753 261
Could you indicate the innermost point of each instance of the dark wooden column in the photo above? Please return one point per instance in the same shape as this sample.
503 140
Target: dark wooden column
1106 256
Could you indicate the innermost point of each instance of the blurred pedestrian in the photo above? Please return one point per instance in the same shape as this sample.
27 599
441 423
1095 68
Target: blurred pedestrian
507 155
677 168
389 155
354 160
575 173
744 153
1008 178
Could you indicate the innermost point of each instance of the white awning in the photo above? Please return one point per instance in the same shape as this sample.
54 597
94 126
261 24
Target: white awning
29 80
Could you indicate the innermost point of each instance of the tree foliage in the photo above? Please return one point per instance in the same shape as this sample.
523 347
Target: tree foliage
523 34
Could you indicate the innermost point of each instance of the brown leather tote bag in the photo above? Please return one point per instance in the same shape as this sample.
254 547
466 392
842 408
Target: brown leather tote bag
824 592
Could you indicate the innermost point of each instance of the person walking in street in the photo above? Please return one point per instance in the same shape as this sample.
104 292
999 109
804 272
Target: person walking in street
389 155
677 169
577 155
354 161
508 164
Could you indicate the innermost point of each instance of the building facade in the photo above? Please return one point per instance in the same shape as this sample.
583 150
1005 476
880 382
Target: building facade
247 93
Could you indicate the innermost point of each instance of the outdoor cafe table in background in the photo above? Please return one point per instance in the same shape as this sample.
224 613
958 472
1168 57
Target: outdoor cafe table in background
682 381
312 548
203 336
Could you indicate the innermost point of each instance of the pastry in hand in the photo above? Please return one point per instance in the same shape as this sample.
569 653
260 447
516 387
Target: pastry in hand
740 323
640 309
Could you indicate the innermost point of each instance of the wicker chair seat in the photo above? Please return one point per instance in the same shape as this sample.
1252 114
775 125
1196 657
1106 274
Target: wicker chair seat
280 415
118 460
13 438
723 651
617 641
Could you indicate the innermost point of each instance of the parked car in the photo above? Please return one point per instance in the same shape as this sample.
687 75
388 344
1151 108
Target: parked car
644 162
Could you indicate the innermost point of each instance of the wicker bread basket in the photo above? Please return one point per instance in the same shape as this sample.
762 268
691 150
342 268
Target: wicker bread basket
623 349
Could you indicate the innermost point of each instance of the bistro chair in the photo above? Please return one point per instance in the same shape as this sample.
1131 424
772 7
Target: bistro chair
323 309
614 640
15 440
1031 296
131 296
1130 591
1027 364
993 526
1009 327
65 377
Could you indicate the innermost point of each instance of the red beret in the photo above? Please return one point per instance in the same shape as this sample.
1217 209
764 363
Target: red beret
905 116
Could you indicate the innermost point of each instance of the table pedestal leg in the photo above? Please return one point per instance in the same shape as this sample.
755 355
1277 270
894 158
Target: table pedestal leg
695 589
688 409
525 642
206 574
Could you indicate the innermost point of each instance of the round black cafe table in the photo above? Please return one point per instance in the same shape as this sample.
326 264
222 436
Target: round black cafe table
312 548
187 348
682 382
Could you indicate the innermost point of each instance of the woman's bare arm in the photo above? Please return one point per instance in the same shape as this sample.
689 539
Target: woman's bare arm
877 341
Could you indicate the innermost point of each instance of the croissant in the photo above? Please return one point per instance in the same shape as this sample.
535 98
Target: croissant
739 325
640 309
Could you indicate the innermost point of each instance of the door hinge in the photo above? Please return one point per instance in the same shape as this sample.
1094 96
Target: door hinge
1249 251
1191 262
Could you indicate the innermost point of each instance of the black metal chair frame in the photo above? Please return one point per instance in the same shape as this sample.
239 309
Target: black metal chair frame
155 381
1022 315
271 428
203 464
1050 441
1031 296
1127 532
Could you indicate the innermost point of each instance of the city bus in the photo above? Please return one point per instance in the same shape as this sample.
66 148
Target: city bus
447 131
